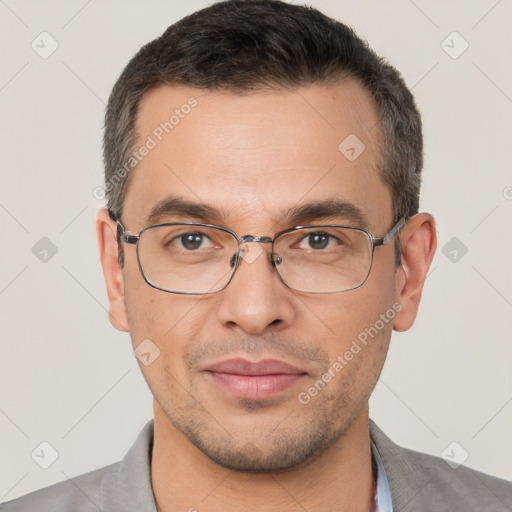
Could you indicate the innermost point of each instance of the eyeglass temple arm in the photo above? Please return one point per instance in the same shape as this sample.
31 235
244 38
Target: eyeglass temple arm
123 237
390 234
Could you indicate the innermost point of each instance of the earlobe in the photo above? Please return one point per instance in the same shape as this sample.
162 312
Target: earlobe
419 241
112 272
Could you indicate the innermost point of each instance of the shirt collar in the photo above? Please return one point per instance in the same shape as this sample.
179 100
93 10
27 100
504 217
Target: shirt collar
128 487
383 501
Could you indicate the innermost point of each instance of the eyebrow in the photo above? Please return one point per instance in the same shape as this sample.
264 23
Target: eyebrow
334 209
174 205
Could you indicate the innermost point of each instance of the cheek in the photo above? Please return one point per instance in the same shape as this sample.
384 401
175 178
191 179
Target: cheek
161 324
152 313
347 319
141 308
360 324
170 321
358 353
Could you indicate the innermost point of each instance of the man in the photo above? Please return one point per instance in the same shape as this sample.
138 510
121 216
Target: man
262 240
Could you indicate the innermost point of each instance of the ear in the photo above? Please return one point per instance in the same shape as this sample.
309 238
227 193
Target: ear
106 230
419 241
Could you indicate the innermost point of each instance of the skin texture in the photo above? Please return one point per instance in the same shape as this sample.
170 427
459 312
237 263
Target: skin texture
253 158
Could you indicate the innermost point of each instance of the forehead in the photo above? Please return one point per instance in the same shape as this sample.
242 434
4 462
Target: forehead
260 153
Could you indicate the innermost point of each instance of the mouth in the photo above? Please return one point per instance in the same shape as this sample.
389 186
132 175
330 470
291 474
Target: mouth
250 380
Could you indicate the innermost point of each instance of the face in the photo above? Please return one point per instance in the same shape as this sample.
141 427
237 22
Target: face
260 377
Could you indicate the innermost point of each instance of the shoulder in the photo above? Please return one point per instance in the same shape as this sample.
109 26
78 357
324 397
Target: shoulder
419 482
123 486
80 494
461 486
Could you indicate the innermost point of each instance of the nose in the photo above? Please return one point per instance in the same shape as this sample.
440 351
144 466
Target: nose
256 299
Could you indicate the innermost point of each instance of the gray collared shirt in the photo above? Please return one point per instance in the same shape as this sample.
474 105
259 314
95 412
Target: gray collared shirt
415 482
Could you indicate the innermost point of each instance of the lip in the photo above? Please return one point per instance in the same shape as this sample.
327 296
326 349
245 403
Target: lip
251 380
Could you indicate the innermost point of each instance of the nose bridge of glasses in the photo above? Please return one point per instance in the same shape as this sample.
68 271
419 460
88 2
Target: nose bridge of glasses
246 239
247 252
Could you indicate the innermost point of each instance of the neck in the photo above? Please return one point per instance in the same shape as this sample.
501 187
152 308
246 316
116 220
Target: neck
340 479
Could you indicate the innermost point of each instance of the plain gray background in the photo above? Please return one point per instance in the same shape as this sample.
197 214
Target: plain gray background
69 379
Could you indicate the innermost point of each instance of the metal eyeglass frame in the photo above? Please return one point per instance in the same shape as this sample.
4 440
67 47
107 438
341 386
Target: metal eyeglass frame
235 260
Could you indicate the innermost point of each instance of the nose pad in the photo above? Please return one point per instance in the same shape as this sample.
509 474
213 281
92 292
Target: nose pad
234 260
250 252
275 259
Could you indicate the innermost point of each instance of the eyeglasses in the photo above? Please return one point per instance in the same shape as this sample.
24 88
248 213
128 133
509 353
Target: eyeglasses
195 259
